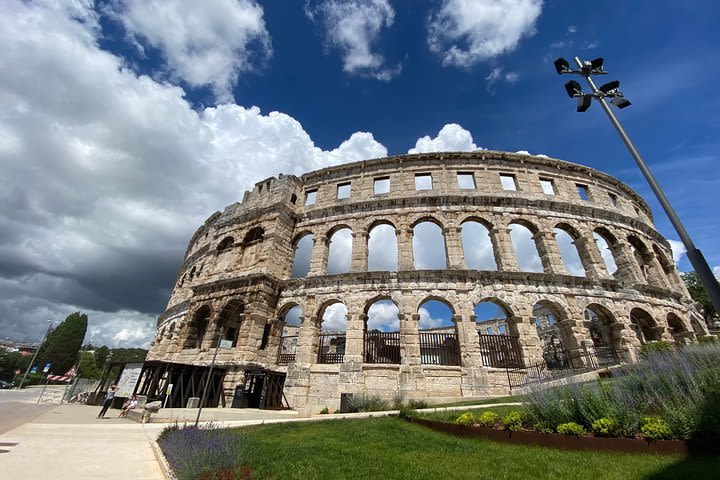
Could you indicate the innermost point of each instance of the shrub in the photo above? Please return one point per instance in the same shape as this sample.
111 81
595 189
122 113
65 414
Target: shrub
655 348
605 427
417 404
655 428
407 412
488 419
543 427
367 403
398 400
571 428
707 339
324 411
467 418
194 452
513 421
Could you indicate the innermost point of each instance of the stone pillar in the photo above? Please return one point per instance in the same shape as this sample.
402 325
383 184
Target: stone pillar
453 242
549 252
319 257
405 249
469 340
528 338
628 269
502 248
359 262
409 339
354 337
656 276
307 340
591 258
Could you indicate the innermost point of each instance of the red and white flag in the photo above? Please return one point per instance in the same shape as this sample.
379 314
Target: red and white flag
69 375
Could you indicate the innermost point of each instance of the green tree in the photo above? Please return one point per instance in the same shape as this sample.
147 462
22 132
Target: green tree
9 362
63 343
101 354
699 294
87 366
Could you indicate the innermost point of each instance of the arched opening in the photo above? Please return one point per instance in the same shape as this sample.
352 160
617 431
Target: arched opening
428 246
553 340
438 334
331 344
290 335
382 333
229 321
382 249
526 252
197 327
255 234
477 246
499 342
643 258
569 252
340 251
225 243
603 242
599 321
668 268
678 330
644 326
303 254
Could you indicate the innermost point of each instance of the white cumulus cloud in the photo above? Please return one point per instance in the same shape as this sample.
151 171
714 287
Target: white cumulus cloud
354 27
464 33
678 250
206 43
451 138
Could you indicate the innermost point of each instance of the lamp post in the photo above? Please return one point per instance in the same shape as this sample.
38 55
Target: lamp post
47 332
218 345
587 69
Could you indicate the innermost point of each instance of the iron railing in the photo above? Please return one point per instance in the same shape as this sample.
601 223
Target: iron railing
382 347
439 349
500 351
331 348
286 358
563 364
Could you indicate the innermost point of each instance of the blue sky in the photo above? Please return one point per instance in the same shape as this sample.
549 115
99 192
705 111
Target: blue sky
127 122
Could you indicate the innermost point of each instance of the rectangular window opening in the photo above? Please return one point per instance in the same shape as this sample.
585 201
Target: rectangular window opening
343 190
423 181
547 186
265 337
466 181
583 192
508 182
613 199
381 185
310 197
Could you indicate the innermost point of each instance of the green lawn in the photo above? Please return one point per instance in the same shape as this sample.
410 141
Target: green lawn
390 448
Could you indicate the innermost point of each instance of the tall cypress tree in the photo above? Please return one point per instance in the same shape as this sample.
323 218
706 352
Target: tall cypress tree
62 344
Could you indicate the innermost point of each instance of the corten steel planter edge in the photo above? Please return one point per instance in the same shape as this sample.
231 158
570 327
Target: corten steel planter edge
553 440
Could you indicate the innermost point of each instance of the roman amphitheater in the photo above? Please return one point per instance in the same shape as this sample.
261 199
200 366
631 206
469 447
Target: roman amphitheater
434 275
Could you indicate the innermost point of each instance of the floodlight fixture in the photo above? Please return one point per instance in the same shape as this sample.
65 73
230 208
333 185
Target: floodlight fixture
610 87
584 102
620 102
562 66
573 88
597 64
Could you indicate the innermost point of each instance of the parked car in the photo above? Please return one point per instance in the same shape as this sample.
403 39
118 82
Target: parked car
4 384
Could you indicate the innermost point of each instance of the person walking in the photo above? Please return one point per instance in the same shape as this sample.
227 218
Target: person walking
108 400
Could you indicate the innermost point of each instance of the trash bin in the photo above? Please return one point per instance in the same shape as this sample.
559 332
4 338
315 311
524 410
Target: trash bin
345 399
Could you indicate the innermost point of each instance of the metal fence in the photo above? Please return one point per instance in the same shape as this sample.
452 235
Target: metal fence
285 343
331 348
439 349
500 351
563 364
382 347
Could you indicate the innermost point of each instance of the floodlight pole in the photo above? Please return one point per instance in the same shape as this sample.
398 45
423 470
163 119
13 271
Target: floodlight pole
696 257
47 332
207 381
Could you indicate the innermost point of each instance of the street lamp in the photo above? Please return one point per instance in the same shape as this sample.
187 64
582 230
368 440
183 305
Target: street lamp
47 332
587 69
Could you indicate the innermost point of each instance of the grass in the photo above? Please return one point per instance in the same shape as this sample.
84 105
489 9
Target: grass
487 401
390 448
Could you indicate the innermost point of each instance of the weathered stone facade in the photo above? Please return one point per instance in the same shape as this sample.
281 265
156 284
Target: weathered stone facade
235 282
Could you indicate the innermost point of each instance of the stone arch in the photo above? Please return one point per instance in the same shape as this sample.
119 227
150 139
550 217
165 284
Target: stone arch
429 247
604 240
302 246
566 236
678 328
340 240
555 340
522 238
290 319
230 320
478 247
382 247
333 319
601 323
644 260
492 317
381 331
644 325
225 243
196 327
668 268
255 234
438 332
